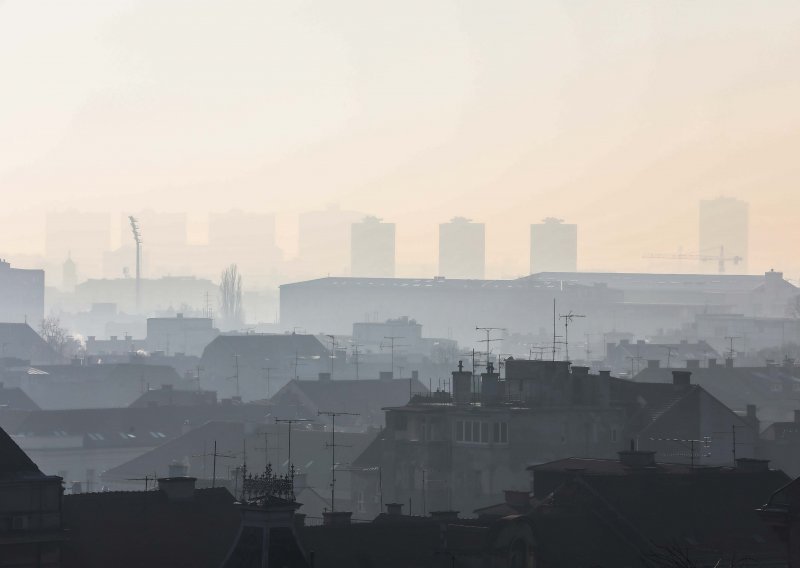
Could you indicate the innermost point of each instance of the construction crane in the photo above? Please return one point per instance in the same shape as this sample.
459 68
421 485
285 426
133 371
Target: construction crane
720 258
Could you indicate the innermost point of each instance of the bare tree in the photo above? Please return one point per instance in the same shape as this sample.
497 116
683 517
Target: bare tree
230 297
53 334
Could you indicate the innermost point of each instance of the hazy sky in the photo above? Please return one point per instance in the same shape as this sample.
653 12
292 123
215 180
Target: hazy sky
617 115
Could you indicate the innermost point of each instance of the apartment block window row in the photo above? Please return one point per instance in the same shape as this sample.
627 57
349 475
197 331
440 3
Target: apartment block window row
481 432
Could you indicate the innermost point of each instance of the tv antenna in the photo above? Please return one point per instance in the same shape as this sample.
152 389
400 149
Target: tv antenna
568 317
333 351
290 421
215 455
731 351
333 445
706 441
392 345
147 479
489 340
267 377
235 376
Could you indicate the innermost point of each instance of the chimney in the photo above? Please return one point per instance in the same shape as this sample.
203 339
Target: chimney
386 375
681 378
177 488
712 363
324 376
692 363
751 465
414 375
605 373
300 482
797 416
462 385
177 469
166 387
624 341
729 362
336 518
653 364
394 509
751 412
580 371
637 459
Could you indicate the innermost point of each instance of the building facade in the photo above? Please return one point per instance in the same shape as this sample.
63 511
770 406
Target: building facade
462 249
554 246
372 247
21 295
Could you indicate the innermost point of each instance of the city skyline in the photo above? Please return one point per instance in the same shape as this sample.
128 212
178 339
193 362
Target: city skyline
502 116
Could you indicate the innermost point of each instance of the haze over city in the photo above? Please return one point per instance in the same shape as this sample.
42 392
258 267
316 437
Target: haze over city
618 118
422 284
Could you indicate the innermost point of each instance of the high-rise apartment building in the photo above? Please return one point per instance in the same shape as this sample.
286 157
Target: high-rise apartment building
372 246
462 249
724 232
554 246
324 241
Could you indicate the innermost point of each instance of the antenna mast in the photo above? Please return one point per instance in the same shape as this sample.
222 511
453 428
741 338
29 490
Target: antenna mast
567 319
332 445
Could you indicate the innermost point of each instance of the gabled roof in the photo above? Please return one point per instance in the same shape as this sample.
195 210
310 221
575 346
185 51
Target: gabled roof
21 341
14 463
774 390
366 397
14 398
168 396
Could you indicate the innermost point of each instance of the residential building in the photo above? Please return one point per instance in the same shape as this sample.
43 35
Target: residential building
631 357
724 231
462 249
21 295
324 241
31 533
239 365
187 335
634 510
372 249
20 342
402 334
554 246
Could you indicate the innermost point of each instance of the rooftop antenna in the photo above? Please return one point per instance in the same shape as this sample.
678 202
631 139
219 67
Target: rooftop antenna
332 445
290 421
731 351
488 341
706 441
333 351
215 455
267 377
137 237
554 329
568 317
235 376
391 339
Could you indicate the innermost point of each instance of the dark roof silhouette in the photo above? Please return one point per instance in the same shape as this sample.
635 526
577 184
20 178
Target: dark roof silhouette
261 346
21 341
168 396
143 528
14 463
14 398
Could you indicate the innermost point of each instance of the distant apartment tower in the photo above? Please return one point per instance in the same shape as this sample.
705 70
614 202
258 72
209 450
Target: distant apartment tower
554 246
21 295
462 249
724 230
323 242
372 248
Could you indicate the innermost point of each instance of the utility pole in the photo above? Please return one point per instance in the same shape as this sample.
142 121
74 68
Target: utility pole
137 237
332 445
236 373
290 421
568 317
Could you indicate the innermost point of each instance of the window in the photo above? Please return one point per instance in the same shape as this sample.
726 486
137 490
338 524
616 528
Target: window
500 433
473 431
